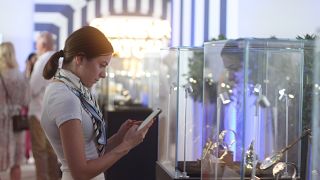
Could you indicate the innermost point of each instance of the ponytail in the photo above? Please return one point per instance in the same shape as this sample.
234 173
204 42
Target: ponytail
52 65
87 40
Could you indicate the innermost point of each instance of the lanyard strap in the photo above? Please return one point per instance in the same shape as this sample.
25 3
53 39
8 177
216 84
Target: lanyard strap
99 125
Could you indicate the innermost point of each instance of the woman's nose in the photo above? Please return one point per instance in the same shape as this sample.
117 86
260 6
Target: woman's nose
103 75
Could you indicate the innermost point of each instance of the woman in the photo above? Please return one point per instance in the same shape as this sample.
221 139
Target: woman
31 60
71 118
12 97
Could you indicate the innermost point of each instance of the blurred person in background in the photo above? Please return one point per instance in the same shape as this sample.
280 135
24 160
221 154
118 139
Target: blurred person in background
12 98
30 61
45 159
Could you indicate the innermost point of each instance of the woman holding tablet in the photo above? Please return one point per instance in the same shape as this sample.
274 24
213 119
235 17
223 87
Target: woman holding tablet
71 117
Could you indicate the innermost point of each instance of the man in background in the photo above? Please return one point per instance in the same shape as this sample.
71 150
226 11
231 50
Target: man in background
44 156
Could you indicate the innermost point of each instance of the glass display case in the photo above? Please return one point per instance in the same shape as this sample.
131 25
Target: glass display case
252 109
130 91
180 123
315 165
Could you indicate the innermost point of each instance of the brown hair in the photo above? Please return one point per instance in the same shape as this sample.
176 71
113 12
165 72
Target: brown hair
87 40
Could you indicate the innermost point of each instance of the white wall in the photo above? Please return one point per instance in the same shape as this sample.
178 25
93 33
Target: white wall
16 25
265 18
245 18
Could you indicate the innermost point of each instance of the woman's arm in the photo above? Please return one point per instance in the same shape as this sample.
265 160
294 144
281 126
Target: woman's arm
74 151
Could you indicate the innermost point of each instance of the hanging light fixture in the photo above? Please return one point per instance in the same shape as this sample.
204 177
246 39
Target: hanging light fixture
133 37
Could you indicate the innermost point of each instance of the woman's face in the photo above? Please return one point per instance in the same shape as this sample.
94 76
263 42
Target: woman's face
90 71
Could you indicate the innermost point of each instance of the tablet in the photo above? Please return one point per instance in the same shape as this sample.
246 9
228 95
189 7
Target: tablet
149 118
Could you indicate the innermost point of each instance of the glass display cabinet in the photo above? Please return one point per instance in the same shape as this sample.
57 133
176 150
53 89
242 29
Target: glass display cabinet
252 109
180 123
130 91
315 165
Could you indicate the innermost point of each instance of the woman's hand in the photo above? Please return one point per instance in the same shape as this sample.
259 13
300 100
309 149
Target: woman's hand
125 127
133 137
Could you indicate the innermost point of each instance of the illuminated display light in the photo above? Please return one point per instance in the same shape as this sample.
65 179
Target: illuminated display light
133 37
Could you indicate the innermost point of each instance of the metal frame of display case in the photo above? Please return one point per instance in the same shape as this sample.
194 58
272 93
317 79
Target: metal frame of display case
180 127
253 108
315 153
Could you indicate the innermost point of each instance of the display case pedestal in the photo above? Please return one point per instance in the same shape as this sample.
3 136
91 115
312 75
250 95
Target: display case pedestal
163 174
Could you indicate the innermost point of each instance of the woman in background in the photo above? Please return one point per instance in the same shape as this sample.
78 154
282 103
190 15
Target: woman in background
12 97
30 61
